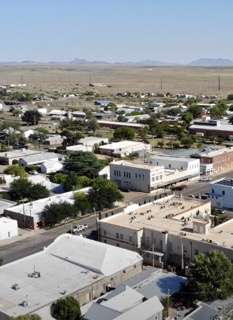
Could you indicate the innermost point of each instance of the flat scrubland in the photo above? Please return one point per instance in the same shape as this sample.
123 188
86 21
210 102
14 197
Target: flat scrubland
191 80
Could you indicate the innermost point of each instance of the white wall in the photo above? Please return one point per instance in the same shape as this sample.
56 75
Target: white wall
8 228
221 196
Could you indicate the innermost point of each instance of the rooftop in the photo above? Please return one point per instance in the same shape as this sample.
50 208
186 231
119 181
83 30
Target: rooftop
35 208
40 157
214 153
137 165
224 182
69 264
18 153
122 144
174 216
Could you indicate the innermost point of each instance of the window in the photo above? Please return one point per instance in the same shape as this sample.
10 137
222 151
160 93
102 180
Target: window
117 235
223 193
122 236
130 239
105 232
212 190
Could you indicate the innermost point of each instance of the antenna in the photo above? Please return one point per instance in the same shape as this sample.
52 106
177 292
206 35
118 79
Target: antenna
161 84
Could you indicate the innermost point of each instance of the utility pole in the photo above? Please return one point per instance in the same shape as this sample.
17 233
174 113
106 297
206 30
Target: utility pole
219 83
161 84
182 254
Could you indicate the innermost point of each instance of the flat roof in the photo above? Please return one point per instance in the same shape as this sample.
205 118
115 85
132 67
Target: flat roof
166 216
214 153
171 158
223 182
123 124
122 144
18 153
137 165
40 157
220 127
69 264
35 208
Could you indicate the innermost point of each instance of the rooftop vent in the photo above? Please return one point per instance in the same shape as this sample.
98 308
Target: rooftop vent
15 286
24 303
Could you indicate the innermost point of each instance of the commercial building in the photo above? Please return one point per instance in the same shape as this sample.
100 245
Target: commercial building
168 231
71 265
146 178
215 161
51 166
192 166
118 124
212 128
9 156
128 304
8 229
221 193
29 215
39 158
125 148
93 141
139 177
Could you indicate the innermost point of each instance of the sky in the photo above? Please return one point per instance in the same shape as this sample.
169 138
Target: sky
116 30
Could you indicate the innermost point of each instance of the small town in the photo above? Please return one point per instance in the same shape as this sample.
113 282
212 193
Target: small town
116 178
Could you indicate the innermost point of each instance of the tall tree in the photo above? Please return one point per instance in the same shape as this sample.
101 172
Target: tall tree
66 309
211 277
32 117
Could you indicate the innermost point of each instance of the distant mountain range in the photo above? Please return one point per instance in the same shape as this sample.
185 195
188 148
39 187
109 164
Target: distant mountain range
212 63
203 62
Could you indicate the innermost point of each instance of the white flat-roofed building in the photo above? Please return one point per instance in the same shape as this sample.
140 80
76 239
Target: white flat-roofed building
118 124
93 141
29 215
170 230
8 228
39 158
51 166
192 166
139 177
125 148
9 156
146 177
71 265
221 193
4 204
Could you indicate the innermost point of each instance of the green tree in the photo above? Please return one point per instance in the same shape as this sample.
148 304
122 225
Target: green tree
32 117
82 202
16 170
187 117
27 317
195 110
84 164
124 134
23 189
104 193
56 212
218 110
19 189
66 309
38 191
211 277
92 125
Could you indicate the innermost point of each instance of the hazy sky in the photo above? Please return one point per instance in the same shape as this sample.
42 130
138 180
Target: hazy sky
116 30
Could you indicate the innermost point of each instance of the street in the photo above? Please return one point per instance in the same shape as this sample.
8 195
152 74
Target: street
33 244
21 248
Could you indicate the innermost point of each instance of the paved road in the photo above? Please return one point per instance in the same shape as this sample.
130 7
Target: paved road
202 187
35 243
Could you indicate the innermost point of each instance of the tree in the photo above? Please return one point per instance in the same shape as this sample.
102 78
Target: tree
187 117
82 202
186 141
211 277
124 134
92 124
16 170
28 317
56 212
66 309
84 164
104 193
195 110
218 110
19 189
23 189
32 117
38 191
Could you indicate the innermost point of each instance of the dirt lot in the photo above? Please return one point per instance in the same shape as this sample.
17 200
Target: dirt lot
173 79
